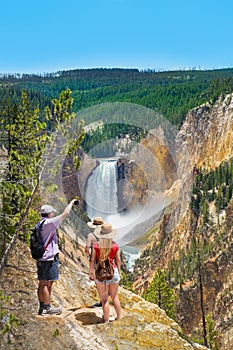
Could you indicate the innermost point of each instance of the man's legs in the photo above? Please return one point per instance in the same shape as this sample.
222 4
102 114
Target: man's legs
47 273
44 294
44 291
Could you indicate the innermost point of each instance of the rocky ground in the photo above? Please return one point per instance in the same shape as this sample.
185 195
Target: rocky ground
80 326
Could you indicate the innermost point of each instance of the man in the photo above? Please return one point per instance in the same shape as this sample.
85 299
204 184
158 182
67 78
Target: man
48 265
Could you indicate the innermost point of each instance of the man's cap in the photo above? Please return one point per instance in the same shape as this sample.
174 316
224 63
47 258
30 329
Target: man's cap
46 209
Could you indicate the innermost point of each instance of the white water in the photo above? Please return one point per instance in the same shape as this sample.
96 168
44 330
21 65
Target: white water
131 255
101 191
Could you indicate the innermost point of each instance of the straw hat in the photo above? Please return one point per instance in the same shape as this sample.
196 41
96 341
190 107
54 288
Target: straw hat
106 231
96 223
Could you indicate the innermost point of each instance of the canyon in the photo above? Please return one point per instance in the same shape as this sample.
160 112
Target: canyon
206 135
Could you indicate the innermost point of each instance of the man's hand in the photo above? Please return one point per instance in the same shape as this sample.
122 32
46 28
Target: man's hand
68 208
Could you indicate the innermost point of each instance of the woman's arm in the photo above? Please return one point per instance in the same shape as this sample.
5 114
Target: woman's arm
118 261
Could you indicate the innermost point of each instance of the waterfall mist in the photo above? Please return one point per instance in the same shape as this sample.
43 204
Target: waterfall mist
101 200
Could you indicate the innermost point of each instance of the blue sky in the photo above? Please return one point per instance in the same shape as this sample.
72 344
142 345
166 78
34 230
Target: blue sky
48 36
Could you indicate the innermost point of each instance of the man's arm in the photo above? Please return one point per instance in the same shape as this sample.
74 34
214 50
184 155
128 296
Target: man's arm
67 210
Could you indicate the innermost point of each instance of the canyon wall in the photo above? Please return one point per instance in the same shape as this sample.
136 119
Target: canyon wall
208 136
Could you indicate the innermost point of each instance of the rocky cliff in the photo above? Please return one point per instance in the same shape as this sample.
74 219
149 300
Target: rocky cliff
208 136
208 133
143 325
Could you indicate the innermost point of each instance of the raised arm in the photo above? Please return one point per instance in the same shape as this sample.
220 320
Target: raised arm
67 210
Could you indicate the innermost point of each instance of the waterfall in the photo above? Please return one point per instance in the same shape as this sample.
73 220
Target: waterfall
101 200
101 191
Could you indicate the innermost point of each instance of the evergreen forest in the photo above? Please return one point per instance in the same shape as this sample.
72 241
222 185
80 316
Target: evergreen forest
172 93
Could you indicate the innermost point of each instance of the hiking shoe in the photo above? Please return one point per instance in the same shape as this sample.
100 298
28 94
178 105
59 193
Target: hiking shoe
41 308
99 304
52 311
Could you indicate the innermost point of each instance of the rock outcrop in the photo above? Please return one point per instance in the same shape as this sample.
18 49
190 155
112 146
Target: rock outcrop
143 325
208 133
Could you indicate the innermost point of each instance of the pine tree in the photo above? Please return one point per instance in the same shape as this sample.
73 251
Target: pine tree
211 333
25 139
160 293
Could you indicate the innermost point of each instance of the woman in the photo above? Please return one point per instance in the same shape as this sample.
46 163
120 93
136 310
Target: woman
103 249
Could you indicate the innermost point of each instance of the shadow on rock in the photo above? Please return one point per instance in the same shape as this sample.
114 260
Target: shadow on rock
88 318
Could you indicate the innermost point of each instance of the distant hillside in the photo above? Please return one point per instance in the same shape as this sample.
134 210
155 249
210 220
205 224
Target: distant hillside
173 93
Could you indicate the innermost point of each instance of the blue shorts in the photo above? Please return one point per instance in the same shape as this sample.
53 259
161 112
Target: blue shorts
115 279
48 270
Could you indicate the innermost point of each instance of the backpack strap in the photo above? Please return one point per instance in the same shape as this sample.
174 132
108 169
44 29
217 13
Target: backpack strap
40 228
49 242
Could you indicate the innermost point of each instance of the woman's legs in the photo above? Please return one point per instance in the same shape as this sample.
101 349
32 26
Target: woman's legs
103 294
113 290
